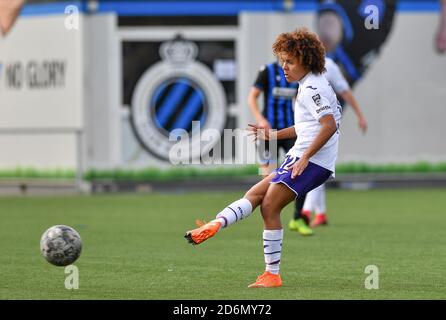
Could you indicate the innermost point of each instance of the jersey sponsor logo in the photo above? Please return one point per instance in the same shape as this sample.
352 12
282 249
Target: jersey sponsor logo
172 95
322 109
317 99
313 88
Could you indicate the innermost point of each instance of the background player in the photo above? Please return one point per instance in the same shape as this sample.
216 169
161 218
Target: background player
440 39
315 200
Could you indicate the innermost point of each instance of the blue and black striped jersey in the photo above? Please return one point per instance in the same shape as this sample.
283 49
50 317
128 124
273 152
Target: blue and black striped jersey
278 96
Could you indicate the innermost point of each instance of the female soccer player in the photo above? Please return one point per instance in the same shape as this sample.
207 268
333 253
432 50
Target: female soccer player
308 164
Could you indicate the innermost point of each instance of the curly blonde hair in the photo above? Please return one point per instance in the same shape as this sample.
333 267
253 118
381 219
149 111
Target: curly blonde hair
305 46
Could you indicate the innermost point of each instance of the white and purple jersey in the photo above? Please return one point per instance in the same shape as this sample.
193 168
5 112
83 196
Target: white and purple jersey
315 99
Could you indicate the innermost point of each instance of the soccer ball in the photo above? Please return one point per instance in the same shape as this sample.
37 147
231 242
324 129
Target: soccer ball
61 245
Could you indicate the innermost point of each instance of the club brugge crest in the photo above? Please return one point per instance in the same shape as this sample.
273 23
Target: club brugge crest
173 94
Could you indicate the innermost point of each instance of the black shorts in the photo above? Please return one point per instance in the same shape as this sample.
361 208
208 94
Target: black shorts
269 153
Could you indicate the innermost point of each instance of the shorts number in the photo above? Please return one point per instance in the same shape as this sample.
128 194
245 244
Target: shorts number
287 164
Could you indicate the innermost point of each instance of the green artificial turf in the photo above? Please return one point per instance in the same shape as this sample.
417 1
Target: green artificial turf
134 248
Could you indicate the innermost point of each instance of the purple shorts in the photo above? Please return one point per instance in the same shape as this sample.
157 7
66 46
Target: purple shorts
312 177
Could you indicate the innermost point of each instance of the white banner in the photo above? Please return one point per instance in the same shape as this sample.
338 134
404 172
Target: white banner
41 75
41 93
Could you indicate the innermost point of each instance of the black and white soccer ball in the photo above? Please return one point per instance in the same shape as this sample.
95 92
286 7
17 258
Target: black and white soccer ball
61 245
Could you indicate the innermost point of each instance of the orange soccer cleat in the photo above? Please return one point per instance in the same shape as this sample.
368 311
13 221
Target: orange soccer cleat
202 233
319 220
267 280
200 222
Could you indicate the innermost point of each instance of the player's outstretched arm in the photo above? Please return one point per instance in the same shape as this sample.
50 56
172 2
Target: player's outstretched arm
287 133
261 133
254 107
350 99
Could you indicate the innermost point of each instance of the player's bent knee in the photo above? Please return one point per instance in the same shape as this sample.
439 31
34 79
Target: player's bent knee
254 197
268 208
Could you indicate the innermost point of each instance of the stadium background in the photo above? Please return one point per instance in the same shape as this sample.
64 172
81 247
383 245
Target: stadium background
83 118
66 99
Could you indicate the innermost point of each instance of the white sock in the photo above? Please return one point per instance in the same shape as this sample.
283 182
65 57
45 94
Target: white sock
320 206
238 210
309 204
272 249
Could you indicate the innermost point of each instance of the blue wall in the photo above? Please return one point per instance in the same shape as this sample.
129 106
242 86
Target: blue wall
201 7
